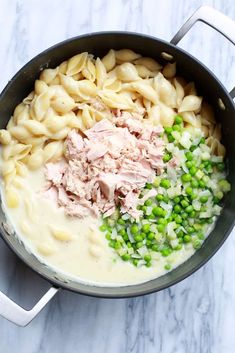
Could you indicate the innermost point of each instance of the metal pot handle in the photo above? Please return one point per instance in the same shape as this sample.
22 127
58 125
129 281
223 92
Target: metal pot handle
19 316
214 19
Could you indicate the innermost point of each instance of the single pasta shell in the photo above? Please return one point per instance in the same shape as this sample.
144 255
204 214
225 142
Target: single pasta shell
5 137
8 167
12 198
61 235
20 133
127 72
46 249
95 251
35 127
35 160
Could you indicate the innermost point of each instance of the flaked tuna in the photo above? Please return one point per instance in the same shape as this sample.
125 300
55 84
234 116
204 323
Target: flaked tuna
107 167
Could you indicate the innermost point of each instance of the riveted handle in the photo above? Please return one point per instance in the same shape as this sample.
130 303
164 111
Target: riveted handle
214 19
19 316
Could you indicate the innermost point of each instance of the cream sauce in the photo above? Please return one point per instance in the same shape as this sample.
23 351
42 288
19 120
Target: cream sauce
84 253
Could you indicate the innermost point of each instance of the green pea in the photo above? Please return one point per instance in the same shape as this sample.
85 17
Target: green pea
184 223
103 227
167 267
201 235
165 183
139 244
155 247
202 166
193 196
184 215
201 183
204 199
151 236
178 219
159 197
144 208
158 211
148 186
178 119
138 238
135 262
160 228
134 229
197 244
166 157
129 245
176 199
193 170
122 231
189 156
177 208
165 252
108 236
121 221
151 216
190 229
148 202
176 127
186 177
189 209
178 247
192 214
168 130
184 203
148 264
112 243
117 245
147 258
125 237
146 228
170 138
180 234
126 257
187 239
194 183
148 243
189 164
189 190
166 199
162 220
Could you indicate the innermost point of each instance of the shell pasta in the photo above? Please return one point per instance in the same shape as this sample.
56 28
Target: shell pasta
84 90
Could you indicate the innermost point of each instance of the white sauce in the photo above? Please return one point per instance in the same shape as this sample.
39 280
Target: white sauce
86 257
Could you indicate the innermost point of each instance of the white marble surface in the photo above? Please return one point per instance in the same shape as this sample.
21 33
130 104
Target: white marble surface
195 316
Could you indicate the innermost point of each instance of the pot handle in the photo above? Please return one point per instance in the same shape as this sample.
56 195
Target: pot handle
19 316
214 19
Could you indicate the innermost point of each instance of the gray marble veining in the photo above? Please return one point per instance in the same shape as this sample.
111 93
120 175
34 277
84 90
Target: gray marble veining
195 316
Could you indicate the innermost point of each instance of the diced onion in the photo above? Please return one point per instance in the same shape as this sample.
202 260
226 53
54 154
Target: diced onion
185 140
142 251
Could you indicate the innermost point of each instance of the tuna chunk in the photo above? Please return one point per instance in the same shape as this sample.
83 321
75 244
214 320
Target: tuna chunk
108 167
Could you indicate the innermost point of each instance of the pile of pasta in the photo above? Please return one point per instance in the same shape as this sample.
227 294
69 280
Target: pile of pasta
83 90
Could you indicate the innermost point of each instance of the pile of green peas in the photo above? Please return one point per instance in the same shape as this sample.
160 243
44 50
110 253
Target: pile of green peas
138 243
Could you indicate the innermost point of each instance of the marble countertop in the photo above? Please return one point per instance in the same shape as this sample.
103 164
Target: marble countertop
195 316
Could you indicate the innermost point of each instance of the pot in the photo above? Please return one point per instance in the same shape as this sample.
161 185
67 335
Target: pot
189 67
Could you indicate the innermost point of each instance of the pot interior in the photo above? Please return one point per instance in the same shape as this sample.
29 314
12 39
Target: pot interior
207 86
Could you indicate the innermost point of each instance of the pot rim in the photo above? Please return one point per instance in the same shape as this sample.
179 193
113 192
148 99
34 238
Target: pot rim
132 289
